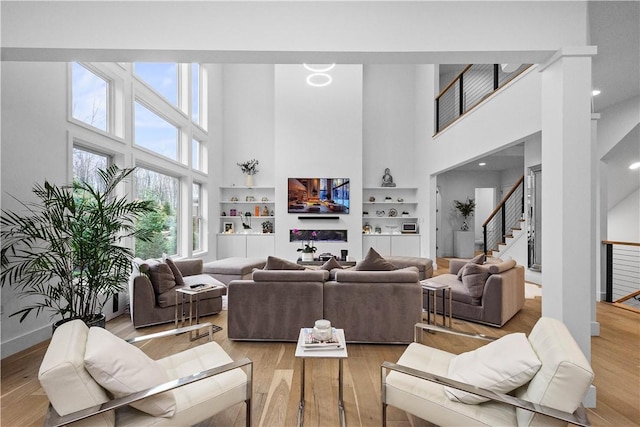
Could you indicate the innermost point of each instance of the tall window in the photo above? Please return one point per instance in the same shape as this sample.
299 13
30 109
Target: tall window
85 164
162 77
89 97
195 93
196 155
163 222
196 196
155 133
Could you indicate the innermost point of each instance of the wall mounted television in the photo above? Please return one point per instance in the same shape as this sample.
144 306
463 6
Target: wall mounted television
318 196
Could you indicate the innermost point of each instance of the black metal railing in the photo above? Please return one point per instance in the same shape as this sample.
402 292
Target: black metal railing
505 218
622 266
470 87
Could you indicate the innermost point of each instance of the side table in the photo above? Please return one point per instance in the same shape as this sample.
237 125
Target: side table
430 289
338 353
181 293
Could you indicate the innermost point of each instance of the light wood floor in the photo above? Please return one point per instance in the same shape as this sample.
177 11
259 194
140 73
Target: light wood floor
615 359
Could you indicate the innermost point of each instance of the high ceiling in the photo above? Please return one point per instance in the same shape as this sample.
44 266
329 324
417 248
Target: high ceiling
615 30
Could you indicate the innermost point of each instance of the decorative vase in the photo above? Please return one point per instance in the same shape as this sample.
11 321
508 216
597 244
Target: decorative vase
307 256
465 226
249 180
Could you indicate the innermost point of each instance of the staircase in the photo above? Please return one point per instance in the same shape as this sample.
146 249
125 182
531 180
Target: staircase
505 224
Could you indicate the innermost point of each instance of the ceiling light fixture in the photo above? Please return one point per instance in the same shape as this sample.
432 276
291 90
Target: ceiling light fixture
319 79
319 68
595 92
634 166
482 164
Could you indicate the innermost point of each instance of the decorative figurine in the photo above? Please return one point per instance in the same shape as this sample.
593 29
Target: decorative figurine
265 211
387 179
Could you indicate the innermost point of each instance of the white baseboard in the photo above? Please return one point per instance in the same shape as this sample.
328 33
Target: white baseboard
25 341
595 328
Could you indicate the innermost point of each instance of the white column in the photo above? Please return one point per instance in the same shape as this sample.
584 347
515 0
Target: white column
599 204
568 207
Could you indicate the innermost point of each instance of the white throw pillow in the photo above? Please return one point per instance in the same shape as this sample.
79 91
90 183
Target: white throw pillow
122 369
501 366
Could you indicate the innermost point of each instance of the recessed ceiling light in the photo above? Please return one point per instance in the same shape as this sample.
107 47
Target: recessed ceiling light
319 68
595 92
482 164
634 166
319 79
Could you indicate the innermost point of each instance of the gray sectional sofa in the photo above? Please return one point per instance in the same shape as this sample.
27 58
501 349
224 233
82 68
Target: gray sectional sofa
371 306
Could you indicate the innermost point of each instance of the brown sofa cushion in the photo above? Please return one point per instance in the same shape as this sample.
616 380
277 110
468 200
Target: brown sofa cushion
474 277
275 263
161 278
330 264
373 261
499 267
177 275
478 259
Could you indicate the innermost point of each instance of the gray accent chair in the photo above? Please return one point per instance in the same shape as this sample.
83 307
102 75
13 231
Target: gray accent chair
502 296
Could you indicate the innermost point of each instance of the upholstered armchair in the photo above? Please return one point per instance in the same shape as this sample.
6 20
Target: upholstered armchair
84 367
515 380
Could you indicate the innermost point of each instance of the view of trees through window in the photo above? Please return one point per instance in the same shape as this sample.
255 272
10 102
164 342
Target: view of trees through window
163 223
197 216
85 165
163 110
89 95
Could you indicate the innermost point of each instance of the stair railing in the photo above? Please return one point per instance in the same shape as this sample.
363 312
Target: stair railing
469 88
622 267
505 218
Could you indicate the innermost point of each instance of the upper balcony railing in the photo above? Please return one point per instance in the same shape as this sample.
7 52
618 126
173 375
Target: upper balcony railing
470 87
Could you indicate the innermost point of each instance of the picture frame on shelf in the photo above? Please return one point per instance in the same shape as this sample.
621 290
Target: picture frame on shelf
227 227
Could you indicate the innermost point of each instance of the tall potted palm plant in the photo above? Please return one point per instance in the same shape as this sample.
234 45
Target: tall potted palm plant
65 250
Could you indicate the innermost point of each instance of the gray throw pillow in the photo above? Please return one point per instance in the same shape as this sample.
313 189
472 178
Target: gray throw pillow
275 263
331 264
474 277
478 259
177 275
161 278
373 261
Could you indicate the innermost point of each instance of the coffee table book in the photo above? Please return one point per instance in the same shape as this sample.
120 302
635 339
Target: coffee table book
310 343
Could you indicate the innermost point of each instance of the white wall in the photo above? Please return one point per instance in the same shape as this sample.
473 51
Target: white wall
623 224
318 134
34 148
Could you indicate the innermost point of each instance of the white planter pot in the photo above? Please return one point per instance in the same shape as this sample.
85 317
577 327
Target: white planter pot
307 256
249 180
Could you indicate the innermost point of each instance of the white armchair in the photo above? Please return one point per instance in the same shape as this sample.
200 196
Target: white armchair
84 369
545 374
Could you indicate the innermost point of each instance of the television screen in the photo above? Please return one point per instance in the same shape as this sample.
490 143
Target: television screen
318 195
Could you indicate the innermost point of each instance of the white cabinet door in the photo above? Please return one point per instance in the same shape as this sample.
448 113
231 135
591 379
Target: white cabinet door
380 243
260 245
232 245
405 245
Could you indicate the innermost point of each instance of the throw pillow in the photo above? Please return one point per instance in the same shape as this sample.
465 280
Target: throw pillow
177 275
122 369
161 278
478 259
500 366
331 264
474 277
274 263
373 261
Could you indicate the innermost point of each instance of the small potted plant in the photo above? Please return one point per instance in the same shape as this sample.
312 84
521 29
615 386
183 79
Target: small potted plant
307 249
267 227
249 168
465 209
